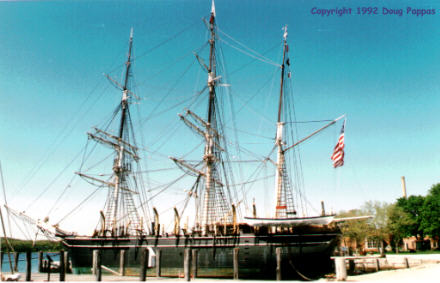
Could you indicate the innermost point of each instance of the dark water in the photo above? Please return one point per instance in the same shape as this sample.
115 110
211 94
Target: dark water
22 261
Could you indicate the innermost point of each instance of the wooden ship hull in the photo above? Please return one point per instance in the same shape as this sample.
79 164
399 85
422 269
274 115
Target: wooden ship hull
306 243
307 251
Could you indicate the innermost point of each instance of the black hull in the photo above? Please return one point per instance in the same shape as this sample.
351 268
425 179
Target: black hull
307 253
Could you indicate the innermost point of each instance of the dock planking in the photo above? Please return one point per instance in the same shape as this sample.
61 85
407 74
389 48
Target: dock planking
40 277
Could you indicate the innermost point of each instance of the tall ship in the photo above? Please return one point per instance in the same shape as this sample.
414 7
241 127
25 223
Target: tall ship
128 223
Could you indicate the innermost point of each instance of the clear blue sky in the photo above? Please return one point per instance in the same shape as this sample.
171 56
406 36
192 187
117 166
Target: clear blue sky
380 70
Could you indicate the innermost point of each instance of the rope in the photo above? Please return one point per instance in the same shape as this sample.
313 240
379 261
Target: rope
245 132
66 132
174 36
4 196
299 273
169 91
250 55
78 206
262 58
312 121
53 181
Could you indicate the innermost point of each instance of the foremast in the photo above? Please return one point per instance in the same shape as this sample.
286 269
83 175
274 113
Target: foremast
120 216
121 168
284 206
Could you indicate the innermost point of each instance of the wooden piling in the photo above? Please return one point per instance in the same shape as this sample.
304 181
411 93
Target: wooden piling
377 264
97 269
16 257
122 262
66 262
49 264
98 266
28 265
62 267
194 263
341 269
235 263
405 262
158 263
94 261
144 265
40 261
187 264
278 269
351 265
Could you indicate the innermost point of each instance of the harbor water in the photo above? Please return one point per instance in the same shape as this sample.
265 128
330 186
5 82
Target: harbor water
22 261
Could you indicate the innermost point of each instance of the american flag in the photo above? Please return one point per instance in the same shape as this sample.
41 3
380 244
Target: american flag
338 152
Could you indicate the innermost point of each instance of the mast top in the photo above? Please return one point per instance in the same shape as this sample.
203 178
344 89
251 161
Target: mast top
131 33
213 8
285 32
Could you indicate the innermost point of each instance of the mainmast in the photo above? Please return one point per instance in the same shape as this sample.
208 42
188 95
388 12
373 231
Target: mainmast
209 147
215 203
284 199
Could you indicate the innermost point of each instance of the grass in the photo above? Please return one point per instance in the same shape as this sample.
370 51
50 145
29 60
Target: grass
415 252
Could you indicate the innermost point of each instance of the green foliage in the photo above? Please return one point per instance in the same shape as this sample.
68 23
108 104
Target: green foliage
412 216
379 222
356 230
413 206
398 223
430 215
26 245
388 223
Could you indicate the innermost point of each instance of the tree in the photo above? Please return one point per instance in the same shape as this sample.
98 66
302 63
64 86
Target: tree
430 222
397 225
379 211
374 228
355 230
413 206
379 230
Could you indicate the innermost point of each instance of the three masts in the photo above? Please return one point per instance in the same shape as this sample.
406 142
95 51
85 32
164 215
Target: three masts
216 206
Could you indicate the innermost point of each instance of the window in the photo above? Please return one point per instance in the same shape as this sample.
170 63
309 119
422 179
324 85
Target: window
372 243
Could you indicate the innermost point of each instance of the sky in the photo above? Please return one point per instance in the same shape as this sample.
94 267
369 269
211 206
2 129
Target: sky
380 70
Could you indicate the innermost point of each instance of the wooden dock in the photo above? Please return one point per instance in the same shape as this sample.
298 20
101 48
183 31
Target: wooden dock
55 277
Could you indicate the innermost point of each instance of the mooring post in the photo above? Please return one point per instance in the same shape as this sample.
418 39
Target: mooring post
377 264
341 269
62 266
49 263
98 275
28 265
278 270
187 264
351 265
144 265
122 262
158 263
194 263
235 263
66 262
16 256
94 261
40 261
405 262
